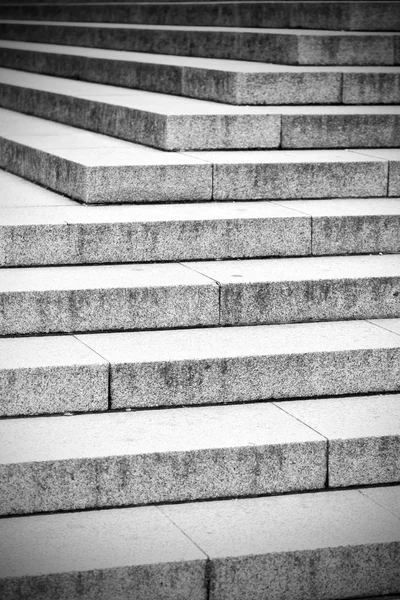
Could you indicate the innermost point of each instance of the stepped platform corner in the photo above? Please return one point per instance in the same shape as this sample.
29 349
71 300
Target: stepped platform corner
199 300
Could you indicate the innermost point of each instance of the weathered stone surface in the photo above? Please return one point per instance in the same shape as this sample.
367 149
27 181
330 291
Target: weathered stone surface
144 457
295 47
100 554
67 299
311 546
295 174
305 289
115 234
352 225
98 169
341 127
318 48
51 375
392 155
221 365
381 86
361 16
363 435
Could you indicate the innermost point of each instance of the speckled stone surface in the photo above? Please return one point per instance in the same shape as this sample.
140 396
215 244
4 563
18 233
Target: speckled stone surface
230 364
392 155
100 554
338 16
326 545
104 297
295 174
363 435
79 235
295 46
157 120
352 225
51 375
95 168
305 289
382 87
144 457
335 129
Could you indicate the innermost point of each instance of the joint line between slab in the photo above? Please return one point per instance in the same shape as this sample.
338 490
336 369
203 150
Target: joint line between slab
109 370
363 493
370 322
183 532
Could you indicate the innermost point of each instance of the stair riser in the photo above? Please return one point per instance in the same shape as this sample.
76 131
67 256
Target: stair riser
206 132
79 244
163 241
245 379
104 185
288 49
149 478
212 84
242 304
383 16
109 309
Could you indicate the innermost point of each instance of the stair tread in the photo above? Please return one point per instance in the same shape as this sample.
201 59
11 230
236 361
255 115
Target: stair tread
246 533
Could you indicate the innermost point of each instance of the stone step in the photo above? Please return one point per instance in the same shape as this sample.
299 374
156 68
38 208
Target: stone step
34 235
138 458
284 46
232 82
342 16
86 373
338 544
200 366
170 123
94 168
171 295
93 298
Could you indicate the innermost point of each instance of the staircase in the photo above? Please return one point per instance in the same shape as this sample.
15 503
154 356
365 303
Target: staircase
199 300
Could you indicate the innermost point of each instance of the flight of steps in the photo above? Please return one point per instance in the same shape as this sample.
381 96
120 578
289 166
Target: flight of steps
199 300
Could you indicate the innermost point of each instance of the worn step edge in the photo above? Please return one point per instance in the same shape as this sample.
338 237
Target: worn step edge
233 82
171 123
229 549
294 46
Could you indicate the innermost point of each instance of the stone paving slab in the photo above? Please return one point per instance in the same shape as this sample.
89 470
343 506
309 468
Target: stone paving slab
102 553
90 298
51 375
18 192
174 123
393 158
363 435
352 225
164 232
311 546
93 461
290 46
229 81
98 169
222 365
305 289
362 16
